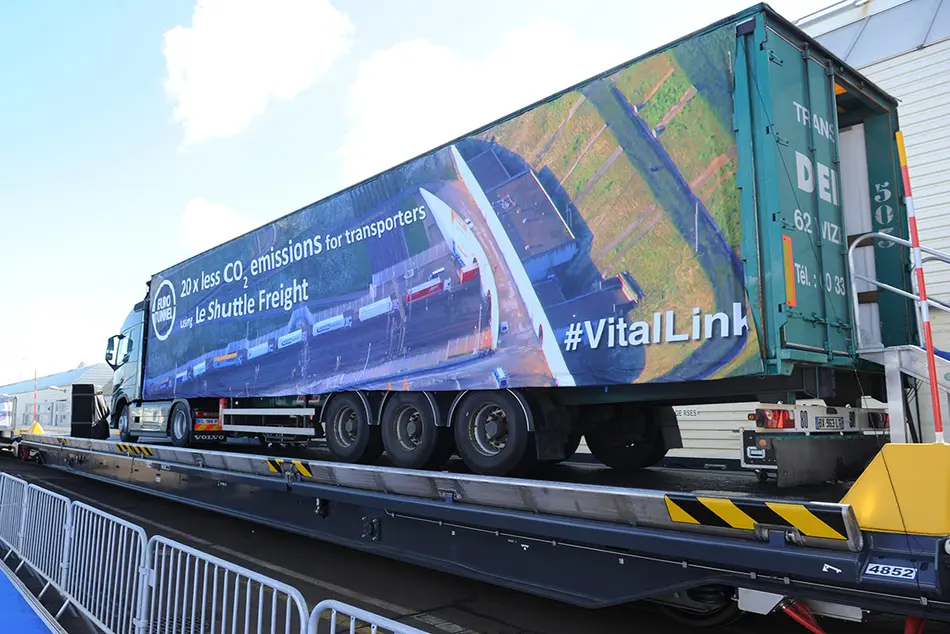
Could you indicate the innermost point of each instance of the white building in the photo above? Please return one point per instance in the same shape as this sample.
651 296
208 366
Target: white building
54 395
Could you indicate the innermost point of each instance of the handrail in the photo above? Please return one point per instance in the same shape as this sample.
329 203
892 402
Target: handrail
936 256
923 302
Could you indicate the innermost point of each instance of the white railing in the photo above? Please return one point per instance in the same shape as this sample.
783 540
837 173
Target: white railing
104 576
934 256
12 495
192 591
105 569
340 615
44 535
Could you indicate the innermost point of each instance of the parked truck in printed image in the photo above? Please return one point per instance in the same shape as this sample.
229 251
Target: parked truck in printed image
703 178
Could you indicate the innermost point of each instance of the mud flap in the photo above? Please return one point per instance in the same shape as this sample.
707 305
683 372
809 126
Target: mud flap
805 460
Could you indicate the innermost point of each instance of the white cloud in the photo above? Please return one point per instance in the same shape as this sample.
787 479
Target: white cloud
239 55
205 224
416 95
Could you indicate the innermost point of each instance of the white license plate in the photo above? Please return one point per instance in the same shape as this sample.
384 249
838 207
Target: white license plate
894 572
829 422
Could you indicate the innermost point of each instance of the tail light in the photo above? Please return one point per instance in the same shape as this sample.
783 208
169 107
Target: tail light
774 419
879 420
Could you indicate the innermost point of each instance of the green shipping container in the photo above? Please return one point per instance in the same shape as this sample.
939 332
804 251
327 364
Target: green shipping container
802 199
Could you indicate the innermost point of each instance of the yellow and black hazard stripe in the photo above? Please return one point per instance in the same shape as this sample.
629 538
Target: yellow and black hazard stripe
274 464
139 450
302 469
809 519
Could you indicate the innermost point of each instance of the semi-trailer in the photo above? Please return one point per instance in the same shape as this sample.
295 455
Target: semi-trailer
705 175
721 214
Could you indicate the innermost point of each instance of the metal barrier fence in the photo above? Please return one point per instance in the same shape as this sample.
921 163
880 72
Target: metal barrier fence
192 591
337 614
44 535
120 583
104 578
12 495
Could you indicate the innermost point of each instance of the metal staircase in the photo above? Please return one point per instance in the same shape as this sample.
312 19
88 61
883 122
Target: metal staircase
913 361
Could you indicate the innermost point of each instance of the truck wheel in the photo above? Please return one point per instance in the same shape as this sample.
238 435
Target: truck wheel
123 425
350 437
632 440
491 433
180 425
410 435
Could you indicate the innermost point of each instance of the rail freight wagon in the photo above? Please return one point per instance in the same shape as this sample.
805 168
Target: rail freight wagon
705 174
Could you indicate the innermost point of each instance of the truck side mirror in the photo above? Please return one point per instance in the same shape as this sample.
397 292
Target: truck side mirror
111 348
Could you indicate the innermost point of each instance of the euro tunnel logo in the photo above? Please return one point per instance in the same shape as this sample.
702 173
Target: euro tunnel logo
163 310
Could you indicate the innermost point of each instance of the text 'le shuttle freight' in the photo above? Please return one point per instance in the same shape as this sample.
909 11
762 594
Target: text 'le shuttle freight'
611 332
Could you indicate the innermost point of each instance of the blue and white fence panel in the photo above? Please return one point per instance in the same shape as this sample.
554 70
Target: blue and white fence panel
12 497
44 534
123 583
106 571
337 615
189 590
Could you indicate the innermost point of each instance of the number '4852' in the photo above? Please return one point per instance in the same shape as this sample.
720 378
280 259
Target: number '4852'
899 572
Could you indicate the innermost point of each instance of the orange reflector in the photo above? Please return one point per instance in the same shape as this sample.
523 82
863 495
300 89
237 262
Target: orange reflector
790 296
839 89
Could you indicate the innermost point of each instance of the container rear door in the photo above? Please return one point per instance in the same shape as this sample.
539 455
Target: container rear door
856 193
810 203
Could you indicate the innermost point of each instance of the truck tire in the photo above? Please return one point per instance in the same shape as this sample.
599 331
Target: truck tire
491 433
122 422
616 446
350 437
410 434
180 424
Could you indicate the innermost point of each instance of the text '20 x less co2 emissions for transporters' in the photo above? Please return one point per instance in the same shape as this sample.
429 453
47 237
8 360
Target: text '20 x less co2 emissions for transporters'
282 295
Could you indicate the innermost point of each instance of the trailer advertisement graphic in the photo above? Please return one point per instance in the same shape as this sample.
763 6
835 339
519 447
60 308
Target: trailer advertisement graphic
592 239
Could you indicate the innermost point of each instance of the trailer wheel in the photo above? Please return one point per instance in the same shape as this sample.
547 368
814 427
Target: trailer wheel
180 425
410 434
491 433
123 424
350 437
632 440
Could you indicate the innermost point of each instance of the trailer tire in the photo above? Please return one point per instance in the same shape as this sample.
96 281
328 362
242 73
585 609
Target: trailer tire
350 438
482 419
410 433
612 446
180 424
122 422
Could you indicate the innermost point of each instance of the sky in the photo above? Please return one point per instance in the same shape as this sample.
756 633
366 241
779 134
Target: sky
138 134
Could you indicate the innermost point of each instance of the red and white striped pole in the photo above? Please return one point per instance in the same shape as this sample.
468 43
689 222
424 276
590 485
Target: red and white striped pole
921 290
